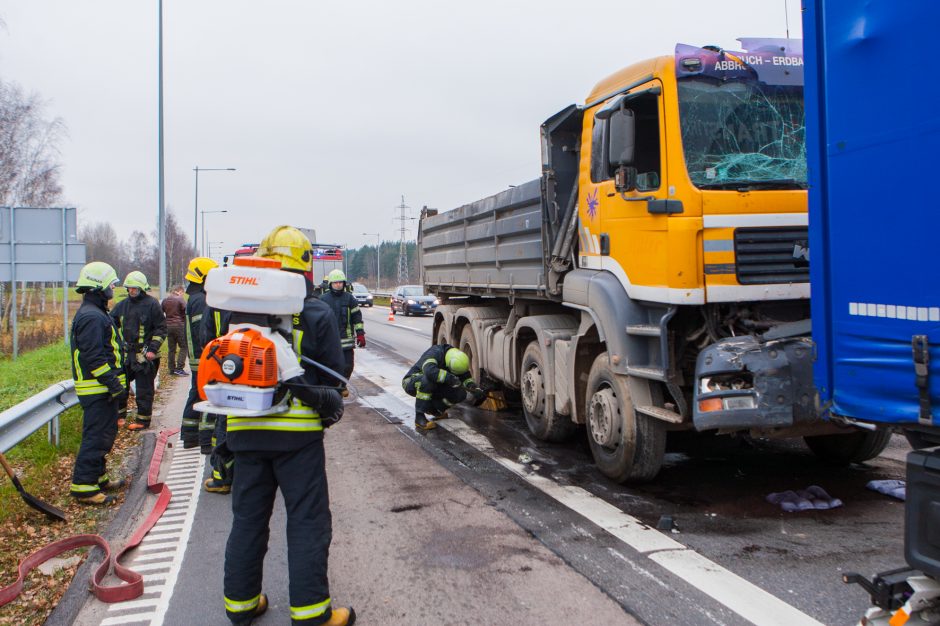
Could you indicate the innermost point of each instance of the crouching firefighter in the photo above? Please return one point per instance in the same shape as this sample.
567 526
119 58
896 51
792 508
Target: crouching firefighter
143 327
439 380
285 451
98 371
195 308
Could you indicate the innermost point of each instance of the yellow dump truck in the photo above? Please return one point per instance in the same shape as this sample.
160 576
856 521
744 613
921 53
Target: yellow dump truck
655 277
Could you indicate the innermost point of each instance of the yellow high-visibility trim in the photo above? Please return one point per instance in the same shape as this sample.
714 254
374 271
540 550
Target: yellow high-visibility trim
235 606
100 370
298 337
217 315
442 376
78 368
281 424
89 387
75 488
310 611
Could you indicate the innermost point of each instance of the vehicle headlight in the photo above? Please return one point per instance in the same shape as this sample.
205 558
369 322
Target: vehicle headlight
411 302
436 302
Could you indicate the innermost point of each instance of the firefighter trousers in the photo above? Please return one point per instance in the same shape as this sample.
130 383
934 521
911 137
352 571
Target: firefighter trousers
189 431
143 375
301 477
99 429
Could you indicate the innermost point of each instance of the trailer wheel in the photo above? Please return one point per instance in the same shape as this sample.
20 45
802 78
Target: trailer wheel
441 338
534 399
627 446
854 447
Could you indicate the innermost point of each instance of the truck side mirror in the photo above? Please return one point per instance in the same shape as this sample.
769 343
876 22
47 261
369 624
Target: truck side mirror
622 132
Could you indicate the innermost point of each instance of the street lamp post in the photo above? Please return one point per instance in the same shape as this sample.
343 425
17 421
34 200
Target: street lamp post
198 169
205 246
378 259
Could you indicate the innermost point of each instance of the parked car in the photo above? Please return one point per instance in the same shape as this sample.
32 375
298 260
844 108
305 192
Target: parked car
361 293
411 300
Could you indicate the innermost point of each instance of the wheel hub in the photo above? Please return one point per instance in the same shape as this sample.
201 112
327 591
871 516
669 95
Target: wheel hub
532 390
604 418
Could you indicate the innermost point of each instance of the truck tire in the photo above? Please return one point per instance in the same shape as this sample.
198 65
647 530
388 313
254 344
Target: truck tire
534 399
627 446
854 447
441 337
468 346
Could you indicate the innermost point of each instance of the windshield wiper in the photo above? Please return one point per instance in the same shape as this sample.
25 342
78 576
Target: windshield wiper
749 185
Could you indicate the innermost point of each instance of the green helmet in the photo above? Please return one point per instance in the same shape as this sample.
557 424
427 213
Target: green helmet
457 361
96 275
336 276
137 279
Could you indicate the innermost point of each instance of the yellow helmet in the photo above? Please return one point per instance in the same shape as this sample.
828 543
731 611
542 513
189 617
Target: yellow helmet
96 275
198 268
289 246
138 280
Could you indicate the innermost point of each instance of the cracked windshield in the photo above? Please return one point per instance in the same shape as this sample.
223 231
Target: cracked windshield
740 132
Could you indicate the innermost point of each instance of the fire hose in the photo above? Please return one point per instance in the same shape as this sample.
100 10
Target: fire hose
134 586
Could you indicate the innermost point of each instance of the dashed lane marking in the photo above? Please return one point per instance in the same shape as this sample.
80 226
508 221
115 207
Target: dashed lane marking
739 595
161 552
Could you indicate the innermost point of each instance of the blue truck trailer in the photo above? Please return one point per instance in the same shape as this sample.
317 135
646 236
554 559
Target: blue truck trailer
873 150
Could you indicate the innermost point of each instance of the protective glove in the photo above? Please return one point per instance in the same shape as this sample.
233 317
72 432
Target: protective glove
477 396
360 339
451 380
115 388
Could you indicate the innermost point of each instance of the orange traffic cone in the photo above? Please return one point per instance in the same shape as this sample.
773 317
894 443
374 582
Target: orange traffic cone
391 314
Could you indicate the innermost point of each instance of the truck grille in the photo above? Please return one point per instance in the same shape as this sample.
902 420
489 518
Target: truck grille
772 255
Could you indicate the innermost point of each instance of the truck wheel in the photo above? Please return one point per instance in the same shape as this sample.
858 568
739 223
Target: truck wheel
854 447
468 346
627 446
441 338
532 385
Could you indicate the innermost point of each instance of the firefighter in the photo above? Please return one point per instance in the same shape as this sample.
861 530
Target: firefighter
98 370
142 325
348 317
196 274
439 380
212 428
285 451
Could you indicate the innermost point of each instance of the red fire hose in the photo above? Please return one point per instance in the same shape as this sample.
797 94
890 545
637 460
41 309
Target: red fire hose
135 582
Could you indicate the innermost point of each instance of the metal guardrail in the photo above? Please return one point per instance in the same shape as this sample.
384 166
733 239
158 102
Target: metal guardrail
43 409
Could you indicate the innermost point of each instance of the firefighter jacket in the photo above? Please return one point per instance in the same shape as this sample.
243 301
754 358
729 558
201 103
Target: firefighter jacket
97 353
142 325
215 323
431 371
314 336
195 307
348 316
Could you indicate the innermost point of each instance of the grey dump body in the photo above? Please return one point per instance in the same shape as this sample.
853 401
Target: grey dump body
494 246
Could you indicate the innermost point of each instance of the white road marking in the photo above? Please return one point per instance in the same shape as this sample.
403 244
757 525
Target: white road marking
164 546
739 595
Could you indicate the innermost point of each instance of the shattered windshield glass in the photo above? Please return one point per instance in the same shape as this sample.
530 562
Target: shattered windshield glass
742 120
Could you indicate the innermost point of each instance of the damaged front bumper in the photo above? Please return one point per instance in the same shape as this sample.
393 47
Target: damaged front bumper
743 383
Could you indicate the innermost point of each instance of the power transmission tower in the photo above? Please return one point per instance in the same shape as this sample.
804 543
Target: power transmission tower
402 247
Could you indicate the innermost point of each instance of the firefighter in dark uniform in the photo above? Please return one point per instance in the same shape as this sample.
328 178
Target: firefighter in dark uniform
98 371
348 317
215 323
143 327
195 307
439 380
286 451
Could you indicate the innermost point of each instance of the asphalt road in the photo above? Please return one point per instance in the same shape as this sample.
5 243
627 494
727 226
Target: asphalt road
477 522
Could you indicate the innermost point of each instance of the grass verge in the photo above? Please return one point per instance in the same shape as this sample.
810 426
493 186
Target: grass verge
45 472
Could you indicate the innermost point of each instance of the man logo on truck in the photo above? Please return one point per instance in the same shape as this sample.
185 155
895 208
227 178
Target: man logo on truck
801 252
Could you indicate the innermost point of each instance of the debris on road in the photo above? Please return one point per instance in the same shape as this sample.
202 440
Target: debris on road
813 497
894 488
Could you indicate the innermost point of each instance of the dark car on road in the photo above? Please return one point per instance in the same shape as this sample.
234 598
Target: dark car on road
361 293
411 300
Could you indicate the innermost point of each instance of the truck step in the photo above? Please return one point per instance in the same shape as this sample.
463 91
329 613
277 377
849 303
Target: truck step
660 413
644 330
653 373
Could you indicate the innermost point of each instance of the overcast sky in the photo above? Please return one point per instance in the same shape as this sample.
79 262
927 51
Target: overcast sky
330 111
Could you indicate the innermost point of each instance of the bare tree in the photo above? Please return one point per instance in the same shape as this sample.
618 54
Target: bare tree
29 166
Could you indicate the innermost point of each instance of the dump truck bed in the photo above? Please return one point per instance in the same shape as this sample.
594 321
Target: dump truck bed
494 246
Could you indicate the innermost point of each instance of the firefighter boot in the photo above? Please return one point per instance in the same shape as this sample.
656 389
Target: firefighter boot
341 616
98 499
139 424
112 485
423 423
217 485
258 612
